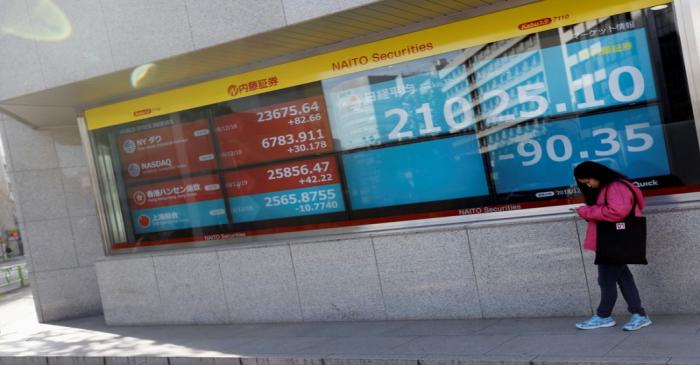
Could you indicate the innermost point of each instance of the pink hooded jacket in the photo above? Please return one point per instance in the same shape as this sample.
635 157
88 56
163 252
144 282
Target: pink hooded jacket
620 200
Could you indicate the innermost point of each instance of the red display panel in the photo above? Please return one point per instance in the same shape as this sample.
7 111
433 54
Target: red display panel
180 191
283 176
167 151
285 130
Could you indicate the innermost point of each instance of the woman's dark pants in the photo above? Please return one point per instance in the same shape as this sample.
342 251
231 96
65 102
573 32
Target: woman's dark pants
609 277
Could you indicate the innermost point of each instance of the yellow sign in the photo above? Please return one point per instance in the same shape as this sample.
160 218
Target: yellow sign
527 19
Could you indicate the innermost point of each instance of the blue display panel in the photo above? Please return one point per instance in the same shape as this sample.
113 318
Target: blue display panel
397 103
288 203
610 70
436 95
543 155
447 168
579 76
181 216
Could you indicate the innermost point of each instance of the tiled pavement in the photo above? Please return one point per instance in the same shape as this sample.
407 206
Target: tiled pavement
671 340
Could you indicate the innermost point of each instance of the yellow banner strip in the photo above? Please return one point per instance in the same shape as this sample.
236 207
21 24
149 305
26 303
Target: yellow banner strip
527 19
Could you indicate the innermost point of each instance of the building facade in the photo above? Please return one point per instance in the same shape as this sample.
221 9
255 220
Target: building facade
275 161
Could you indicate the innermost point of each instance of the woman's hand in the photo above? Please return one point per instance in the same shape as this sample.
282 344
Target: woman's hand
576 210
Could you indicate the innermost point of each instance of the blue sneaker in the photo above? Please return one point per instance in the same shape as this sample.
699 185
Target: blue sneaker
596 322
636 322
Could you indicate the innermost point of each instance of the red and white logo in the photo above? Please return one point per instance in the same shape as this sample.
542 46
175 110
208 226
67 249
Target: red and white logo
134 169
139 197
144 221
620 226
129 146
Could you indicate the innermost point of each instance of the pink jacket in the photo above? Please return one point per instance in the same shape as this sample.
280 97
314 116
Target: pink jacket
620 200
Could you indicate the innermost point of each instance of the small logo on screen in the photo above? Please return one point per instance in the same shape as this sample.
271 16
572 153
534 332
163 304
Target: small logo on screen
201 132
212 187
620 226
351 102
144 221
129 146
134 169
535 23
139 197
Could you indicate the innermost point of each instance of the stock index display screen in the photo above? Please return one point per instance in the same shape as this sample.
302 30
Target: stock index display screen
493 127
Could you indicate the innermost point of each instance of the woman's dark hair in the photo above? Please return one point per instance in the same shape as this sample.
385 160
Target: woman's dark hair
602 173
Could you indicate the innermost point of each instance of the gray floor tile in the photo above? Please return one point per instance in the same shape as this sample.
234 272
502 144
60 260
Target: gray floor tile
187 332
350 361
282 345
678 324
357 346
476 360
533 326
607 360
443 328
280 359
412 359
684 361
207 361
354 329
451 345
282 330
647 344
564 345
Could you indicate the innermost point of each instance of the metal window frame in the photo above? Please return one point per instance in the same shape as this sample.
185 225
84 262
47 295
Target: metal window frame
689 33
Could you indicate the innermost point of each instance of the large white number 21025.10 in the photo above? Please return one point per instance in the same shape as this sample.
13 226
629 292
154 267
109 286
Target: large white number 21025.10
464 109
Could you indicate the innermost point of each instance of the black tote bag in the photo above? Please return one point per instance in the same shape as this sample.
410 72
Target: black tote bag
622 243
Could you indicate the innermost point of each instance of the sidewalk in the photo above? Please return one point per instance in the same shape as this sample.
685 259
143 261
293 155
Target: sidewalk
671 340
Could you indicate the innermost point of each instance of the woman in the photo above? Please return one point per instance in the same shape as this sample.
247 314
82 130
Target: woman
610 197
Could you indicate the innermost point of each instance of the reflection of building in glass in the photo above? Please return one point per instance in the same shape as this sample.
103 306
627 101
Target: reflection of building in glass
501 70
455 80
488 77
579 70
588 60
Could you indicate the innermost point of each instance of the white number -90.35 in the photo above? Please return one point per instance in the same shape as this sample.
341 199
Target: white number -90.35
559 147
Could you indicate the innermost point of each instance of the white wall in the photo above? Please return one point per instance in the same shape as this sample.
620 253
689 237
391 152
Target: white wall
111 35
57 218
530 268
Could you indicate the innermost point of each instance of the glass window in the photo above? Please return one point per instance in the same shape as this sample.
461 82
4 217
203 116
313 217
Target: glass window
493 127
